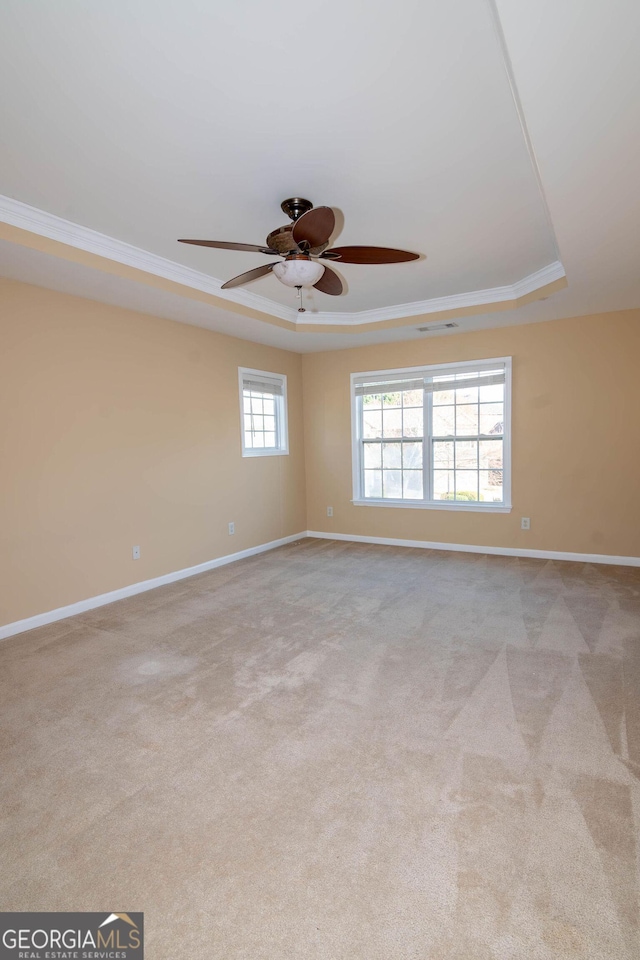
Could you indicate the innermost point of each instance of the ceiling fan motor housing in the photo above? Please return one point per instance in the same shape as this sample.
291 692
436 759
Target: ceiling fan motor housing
281 240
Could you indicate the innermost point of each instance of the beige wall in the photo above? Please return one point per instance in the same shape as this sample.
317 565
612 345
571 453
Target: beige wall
119 429
575 438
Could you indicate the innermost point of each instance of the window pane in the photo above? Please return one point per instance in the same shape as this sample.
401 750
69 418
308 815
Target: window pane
467 395
466 485
443 484
491 488
391 456
392 400
372 402
392 483
371 423
412 398
412 484
263 415
467 419
412 422
373 483
491 394
443 396
443 421
443 454
392 423
466 454
372 456
491 418
491 454
412 456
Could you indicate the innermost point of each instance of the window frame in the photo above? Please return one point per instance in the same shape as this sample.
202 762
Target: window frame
282 427
430 370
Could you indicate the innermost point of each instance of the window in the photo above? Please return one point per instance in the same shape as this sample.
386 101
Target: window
433 436
263 406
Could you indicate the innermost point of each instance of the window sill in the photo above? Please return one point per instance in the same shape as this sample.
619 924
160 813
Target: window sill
468 506
265 453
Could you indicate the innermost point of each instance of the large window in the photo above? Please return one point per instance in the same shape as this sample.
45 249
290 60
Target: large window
263 408
433 436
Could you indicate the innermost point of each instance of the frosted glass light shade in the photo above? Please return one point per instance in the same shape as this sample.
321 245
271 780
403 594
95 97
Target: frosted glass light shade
298 273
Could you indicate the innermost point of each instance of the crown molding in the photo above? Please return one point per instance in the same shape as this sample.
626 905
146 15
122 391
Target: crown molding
457 301
43 224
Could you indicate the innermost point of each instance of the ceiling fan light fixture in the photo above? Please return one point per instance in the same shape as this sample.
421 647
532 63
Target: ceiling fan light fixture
298 272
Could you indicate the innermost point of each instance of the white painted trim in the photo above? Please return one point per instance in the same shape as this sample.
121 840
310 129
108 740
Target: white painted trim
462 505
45 224
473 548
457 301
431 370
282 420
61 613
83 238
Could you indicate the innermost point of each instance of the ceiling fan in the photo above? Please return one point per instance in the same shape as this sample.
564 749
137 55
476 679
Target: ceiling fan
303 245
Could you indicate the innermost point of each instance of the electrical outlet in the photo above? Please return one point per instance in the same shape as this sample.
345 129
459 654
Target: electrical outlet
136 553
232 528
525 523
329 511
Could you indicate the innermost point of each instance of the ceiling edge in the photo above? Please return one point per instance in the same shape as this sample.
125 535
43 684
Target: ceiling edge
43 224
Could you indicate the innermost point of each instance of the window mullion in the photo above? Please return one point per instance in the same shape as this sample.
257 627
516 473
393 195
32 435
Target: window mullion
360 446
427 446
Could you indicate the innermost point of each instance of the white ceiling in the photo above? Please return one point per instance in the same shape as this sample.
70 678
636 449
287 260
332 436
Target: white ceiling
146 120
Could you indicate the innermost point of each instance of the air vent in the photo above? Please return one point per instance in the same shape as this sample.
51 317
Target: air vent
437 326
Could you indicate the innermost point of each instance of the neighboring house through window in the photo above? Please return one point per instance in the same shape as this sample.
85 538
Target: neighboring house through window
436 436
263 409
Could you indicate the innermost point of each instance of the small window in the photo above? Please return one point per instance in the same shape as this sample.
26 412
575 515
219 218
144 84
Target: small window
433 436
263 408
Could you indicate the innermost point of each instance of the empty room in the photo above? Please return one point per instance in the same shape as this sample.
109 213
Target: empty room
320 458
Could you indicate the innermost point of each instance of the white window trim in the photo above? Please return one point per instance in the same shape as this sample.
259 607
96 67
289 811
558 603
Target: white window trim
282 424
433 370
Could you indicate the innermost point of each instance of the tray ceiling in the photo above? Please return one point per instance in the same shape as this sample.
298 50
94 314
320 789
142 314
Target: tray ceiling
128 125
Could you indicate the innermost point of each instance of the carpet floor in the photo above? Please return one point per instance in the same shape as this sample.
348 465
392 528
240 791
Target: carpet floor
337 751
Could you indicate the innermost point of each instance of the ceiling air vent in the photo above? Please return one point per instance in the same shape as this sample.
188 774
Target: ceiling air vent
436 326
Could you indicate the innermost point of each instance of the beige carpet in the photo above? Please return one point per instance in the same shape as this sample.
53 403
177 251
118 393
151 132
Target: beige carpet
337 751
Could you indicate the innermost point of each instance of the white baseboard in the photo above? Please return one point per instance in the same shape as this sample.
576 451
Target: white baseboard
42 619
61 613
472 548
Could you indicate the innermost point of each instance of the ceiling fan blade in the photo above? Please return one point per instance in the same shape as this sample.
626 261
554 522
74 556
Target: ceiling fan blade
314 228
329 283
223 245
249 275
370 255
